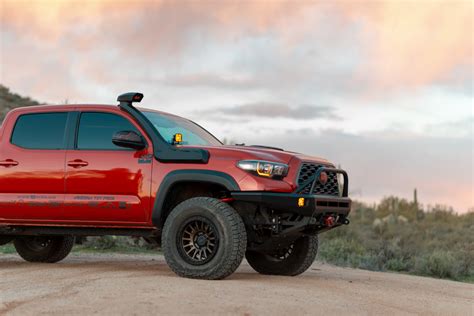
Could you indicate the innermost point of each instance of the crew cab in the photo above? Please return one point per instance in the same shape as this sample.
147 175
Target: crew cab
95 170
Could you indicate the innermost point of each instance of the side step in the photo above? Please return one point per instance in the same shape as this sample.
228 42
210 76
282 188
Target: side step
76 231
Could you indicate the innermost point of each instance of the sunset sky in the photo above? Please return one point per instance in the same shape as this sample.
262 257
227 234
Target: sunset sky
382 88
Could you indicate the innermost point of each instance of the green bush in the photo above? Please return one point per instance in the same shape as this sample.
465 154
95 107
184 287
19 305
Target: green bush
101 243
117 243
371 262
399 236
341 252
465 263
441 264
397 264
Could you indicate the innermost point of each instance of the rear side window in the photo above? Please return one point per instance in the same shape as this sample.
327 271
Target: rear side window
96 130
40 131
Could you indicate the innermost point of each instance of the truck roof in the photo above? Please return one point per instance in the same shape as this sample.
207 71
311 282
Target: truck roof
62 107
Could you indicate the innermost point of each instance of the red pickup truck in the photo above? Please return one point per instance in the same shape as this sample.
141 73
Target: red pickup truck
94 170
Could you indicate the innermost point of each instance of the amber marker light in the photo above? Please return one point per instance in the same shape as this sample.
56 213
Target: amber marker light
178 138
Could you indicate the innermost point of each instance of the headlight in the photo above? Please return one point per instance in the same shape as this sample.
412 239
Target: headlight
264 168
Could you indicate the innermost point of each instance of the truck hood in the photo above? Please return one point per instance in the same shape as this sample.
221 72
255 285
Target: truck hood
257 152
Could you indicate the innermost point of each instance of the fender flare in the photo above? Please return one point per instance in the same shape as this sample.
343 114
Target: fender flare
190 175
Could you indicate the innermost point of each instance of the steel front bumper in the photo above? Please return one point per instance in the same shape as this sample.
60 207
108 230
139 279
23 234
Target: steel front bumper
304 204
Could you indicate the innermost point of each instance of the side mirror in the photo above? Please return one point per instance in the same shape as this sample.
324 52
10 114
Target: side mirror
128 139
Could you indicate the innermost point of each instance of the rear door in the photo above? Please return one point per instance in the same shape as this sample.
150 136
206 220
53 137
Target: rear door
32 171
107 184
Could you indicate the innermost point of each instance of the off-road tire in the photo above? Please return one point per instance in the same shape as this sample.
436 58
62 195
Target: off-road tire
55 248
229 232
298 261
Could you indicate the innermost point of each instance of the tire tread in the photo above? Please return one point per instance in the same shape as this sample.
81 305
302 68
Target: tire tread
62 246
292 266
238 246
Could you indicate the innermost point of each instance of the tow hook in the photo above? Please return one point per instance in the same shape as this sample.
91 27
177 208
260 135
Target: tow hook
329 221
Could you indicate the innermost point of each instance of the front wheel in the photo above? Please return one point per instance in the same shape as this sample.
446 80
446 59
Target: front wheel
204 238
49 249
291 261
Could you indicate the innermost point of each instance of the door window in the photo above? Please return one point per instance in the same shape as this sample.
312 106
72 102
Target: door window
40 131
97 129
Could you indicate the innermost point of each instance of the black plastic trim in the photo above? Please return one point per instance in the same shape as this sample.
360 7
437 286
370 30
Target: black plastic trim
190 175
71 129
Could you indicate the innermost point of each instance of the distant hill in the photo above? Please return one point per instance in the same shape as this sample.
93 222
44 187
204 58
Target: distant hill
10 100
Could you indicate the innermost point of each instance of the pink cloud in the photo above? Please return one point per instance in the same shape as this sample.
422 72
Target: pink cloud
409 43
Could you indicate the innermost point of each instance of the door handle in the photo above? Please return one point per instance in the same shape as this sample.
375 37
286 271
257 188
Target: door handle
77 163
8 163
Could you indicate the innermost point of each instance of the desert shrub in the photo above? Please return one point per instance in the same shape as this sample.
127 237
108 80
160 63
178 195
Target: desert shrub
437 242
441 264
101 243
341 252
117 243
7 249
465 262
397 264
371 262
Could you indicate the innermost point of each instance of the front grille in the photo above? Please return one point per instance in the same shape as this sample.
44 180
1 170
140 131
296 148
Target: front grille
307 171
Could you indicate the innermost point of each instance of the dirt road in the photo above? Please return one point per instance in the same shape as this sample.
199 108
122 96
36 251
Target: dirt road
142 284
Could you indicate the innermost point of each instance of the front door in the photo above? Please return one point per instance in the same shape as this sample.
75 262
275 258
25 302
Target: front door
107 184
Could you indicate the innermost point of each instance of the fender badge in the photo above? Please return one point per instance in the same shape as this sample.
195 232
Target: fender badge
145 159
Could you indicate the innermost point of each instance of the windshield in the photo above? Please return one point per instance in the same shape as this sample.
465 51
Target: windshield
169 125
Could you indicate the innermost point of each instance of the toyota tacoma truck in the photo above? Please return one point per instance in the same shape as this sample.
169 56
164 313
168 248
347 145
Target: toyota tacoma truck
96 170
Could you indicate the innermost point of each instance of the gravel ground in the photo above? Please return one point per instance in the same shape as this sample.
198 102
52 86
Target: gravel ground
116 284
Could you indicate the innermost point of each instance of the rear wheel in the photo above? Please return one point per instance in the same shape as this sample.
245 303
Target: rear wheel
204 238
290 261
49 249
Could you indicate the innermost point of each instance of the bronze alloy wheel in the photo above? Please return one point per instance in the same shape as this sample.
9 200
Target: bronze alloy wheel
198 240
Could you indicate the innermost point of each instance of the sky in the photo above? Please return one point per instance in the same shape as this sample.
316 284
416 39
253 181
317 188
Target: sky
382 88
